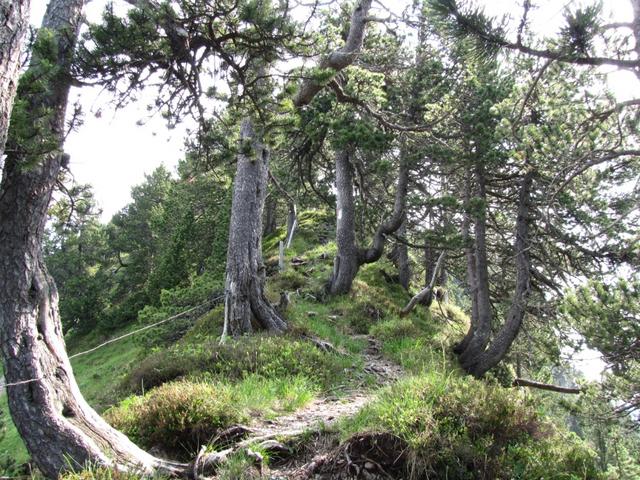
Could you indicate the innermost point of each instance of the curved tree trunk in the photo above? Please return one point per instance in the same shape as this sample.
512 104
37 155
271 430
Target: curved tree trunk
59 428
349 258
14 21
502 341
482 330
245 305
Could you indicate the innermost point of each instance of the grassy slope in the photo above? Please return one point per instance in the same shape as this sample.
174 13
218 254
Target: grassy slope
268 376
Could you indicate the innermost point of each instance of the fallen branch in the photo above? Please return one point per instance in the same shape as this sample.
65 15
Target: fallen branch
521 382
427 292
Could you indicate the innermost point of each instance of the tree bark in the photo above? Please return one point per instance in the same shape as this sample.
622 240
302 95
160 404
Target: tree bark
14 22
246 307
270 215
346 263
341 58
349 258
482 328
523 382
507 334
471 272
400 257
59 428
425 296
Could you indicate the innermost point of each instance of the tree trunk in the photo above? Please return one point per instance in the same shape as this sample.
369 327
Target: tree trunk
507 334
349 257
270 215
14 22
346 263
482 330
400 258
59 428
245 304
470 257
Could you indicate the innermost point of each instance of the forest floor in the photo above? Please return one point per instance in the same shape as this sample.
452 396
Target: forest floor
324 412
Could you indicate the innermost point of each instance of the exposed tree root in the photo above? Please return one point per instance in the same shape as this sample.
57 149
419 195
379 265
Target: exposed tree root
366 456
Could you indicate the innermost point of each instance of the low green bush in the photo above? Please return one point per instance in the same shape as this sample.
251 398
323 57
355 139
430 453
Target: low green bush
264 355
177 417
461 428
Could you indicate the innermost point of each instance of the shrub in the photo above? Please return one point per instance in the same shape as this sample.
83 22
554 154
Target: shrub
177 417
263 355
465 429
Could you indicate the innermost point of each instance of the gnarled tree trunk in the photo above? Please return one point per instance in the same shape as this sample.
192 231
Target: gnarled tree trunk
14 21
245 305
482 327
59 428
349 258
502 341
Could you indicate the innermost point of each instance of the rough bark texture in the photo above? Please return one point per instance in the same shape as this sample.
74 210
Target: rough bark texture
482 329
59 428
245 304
346 263
508 332
341 58
14 22
471 273
349 256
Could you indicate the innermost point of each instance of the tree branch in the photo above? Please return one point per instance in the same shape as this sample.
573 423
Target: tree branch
341 58
522 382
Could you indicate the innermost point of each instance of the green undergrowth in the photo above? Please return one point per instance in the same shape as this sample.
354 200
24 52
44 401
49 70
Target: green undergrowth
461 428
264 355
175 388
179 417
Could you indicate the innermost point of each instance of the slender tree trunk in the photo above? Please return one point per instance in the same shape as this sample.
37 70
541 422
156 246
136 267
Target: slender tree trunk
246 307
472 282
482 330
14 22
270 215
507 334
400 258
349 257
59 428
346 263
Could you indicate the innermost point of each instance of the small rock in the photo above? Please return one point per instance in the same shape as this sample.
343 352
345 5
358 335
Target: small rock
369 466
312 314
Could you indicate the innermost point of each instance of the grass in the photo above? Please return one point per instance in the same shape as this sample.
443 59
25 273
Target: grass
187 392
459 427
178 417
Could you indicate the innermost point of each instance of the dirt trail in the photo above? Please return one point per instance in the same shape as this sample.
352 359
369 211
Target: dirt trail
328 410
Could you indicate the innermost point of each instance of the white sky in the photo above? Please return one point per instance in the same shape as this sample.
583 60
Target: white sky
113 153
